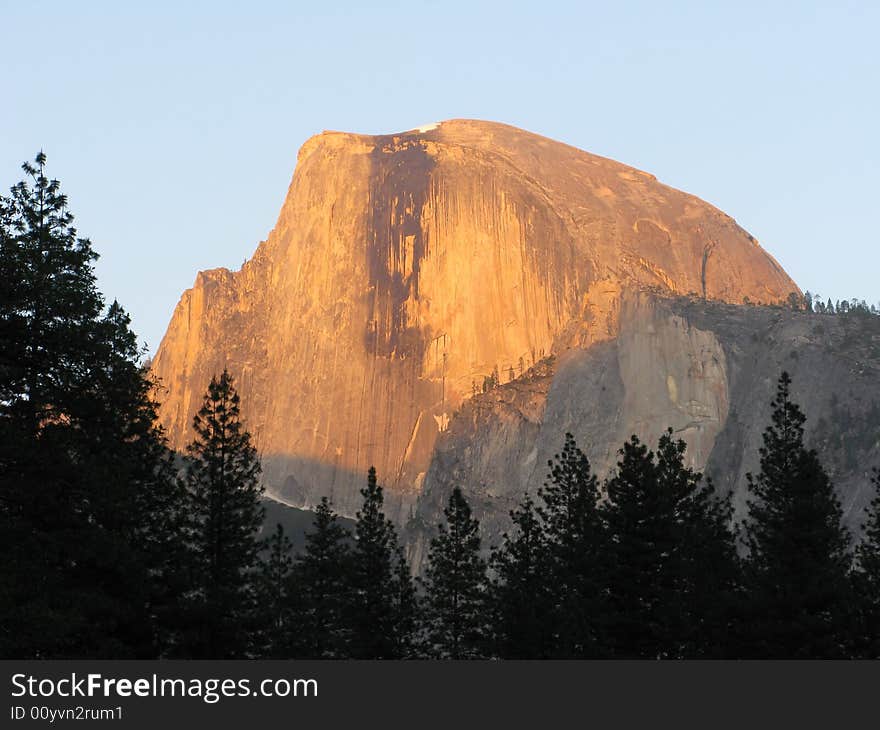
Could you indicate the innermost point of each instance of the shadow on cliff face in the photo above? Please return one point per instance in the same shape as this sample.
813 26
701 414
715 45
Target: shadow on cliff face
834 362
400 180
301 482
713 354
297 523
496 449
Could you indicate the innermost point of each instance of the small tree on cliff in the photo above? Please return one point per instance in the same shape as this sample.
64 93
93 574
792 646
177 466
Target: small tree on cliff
222 477
379 606
455 610
798 562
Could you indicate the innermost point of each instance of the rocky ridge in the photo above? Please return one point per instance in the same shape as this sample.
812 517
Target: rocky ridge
405 268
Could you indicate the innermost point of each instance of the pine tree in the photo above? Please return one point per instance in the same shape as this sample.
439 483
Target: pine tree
575 539
83 470
374 610
407 609
521 591
321 587
273 584
867 580
641 546
50 301
709 563
671 559
798 561
222 478
151 509
455 607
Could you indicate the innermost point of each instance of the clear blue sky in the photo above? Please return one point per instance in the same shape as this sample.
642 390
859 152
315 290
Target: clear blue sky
174 127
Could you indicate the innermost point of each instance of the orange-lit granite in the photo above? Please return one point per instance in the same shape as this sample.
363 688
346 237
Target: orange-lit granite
405 268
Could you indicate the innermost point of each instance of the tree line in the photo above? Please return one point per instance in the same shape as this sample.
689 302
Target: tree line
644 565
114 546
811 302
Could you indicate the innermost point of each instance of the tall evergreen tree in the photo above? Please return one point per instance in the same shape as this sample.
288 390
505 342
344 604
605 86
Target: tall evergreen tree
320 590
867 581
273 599
222 478
407 609
375 609
151 508
455 605
671 558
710 566
521 590
643 544
798 559
51 305
575 538
84 481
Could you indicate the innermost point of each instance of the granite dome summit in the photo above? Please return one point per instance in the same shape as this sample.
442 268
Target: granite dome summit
405 268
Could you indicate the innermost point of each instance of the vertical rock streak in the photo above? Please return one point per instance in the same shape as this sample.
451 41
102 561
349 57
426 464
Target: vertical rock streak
400 181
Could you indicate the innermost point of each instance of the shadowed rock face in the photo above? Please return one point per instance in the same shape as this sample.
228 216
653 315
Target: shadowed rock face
708 370
405 268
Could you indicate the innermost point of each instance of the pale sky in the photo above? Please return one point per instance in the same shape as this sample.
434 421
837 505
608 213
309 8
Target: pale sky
174 127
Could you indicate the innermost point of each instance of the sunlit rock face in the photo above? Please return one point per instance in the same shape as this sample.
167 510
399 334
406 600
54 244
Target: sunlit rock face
406 268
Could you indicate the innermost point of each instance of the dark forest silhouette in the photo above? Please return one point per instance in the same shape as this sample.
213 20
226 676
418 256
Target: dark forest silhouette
111 549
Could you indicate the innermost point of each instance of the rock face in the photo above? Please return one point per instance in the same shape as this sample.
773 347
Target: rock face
706 369
405 269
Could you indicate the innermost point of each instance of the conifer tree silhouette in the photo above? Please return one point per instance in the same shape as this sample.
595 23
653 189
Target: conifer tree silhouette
795 577
521 591
222 478
867 580
376 611
455 606
574 543
671 559
273 599
322 586
87 498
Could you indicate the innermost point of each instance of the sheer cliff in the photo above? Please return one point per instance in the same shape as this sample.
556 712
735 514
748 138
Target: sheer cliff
406 268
